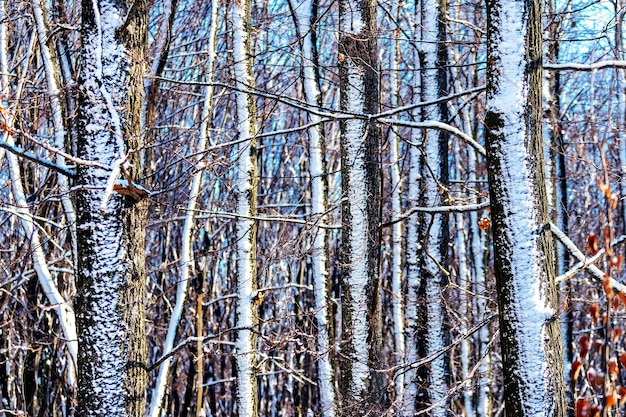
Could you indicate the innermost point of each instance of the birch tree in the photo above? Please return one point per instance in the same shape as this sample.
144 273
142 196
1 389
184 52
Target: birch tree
362 386
319 207
245 193
523 256
110 213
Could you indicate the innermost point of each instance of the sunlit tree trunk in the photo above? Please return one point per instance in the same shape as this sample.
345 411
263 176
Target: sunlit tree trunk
111 278
319 206
362 386
530 335
246 316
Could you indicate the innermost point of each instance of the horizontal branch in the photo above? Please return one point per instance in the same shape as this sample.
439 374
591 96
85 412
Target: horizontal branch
36 158
433 124
462 208
585 67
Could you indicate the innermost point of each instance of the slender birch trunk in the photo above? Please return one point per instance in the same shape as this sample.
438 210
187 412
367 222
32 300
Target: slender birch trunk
110 302
63 310
362 386
434 231
396 206
413 312
186 254
523 255
319 206
246 316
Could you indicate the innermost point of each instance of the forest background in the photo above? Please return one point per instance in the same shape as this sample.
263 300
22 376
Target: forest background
312 208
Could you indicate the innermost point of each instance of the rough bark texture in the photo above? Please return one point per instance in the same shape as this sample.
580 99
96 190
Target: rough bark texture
111 272
523 251
362 388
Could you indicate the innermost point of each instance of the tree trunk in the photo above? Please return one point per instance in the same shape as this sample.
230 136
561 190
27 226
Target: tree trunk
111 228
433 231
246 316
523 253
362 386
304 14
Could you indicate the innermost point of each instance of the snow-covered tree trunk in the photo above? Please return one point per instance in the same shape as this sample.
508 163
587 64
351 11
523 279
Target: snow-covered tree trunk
246 194
362 387
111 227
319 206
434 230
530 335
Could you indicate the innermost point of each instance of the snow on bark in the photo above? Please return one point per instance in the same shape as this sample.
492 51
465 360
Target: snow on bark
435 229
413 254
245 190
360 210
186 255
102 272
319 206
530 338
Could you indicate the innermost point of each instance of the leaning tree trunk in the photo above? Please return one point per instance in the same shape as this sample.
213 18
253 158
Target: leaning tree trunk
246 191
523 256
110 302
362 386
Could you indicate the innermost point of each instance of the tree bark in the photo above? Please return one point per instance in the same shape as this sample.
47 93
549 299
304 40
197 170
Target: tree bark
362 386
523 251
111 280
304 15
246 315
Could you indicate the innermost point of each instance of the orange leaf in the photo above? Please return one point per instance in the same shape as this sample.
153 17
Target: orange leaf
617 332
608 287
613 369
595 378
598 344
584 346
576 368
622 395
483 223
616 262
582 408
611 399
592 244
594 311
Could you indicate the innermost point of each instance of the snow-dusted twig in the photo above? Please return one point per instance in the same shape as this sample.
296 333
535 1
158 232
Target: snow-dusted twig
584 262
36 158
461 208
572 66
433 124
